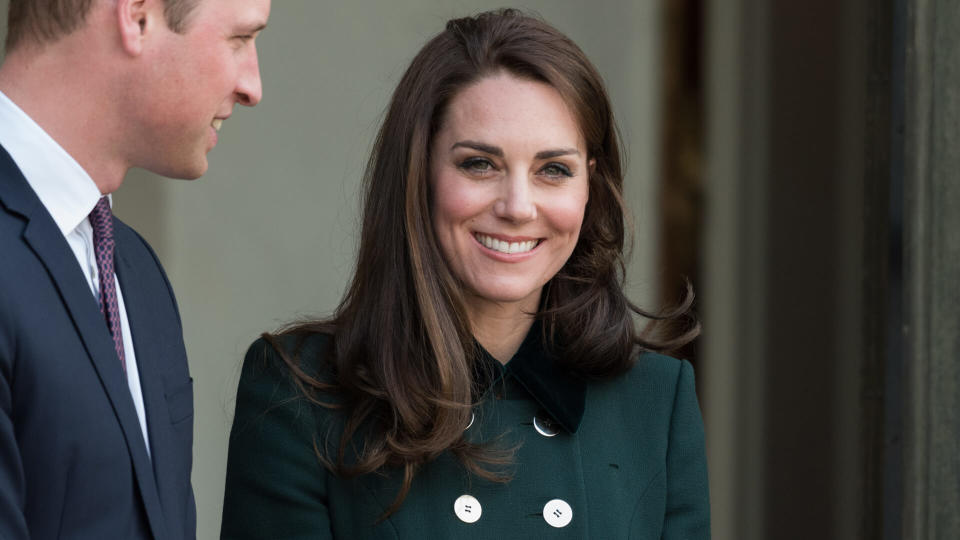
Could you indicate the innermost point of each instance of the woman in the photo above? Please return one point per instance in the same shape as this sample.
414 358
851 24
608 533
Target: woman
483 377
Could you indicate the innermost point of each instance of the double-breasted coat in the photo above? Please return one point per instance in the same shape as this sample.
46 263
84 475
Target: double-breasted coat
604 460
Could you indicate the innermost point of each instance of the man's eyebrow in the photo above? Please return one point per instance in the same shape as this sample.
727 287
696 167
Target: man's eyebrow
251 28
547 154
486 148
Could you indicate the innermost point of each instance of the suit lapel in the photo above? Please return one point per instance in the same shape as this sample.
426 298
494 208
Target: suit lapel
49 245
145 341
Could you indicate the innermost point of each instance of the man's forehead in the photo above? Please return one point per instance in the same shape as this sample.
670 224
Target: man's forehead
246 15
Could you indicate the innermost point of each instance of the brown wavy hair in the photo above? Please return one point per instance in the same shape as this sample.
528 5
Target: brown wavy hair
402 353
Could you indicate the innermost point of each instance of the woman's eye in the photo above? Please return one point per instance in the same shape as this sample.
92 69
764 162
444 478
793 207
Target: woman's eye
556 170
477 165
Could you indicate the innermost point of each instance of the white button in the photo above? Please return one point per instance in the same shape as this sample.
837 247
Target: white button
468 508
472 418
557 513
545 425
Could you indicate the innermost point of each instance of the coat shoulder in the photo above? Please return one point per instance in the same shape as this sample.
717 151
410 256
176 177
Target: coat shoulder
286 375
647 396
274 356
657 374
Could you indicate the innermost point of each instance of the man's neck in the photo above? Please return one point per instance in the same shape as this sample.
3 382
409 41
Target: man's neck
69 106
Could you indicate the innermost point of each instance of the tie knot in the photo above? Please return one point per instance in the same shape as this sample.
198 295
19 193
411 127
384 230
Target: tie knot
102 219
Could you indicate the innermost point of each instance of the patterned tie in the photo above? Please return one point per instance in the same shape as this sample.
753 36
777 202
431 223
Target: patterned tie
103 244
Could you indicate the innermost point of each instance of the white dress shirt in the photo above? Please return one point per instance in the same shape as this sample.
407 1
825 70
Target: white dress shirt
69 195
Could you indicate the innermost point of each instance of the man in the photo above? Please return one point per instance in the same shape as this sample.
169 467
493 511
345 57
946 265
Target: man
96 401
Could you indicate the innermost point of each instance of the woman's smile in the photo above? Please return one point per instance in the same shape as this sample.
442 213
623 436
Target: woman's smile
508 246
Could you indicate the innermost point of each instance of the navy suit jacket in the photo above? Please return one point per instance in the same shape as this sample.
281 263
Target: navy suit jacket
73 463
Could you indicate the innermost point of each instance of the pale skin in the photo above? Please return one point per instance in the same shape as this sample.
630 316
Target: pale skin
115 93
65 86
510 169
500 328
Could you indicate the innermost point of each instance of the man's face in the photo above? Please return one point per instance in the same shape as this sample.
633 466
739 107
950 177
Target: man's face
192 83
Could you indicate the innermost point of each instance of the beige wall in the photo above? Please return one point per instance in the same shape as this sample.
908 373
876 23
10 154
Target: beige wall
268 234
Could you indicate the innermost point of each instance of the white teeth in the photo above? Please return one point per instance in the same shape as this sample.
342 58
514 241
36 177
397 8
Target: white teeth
217 122
506 247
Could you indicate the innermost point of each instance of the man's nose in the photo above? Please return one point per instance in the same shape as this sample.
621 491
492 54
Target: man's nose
249 89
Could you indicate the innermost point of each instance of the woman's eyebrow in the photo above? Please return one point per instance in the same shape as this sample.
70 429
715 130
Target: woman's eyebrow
482 147
497 151
547 154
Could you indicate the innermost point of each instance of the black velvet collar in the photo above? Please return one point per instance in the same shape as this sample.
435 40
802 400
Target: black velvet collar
561 394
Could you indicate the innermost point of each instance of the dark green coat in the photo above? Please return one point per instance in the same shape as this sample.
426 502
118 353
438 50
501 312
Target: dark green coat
627 461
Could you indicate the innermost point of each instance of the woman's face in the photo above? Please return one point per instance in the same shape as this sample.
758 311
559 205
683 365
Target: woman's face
509 176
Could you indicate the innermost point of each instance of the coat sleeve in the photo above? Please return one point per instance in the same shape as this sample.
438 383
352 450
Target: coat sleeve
276 487
688 500
13 522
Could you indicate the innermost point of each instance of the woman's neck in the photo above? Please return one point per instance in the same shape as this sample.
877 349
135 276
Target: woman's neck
500 328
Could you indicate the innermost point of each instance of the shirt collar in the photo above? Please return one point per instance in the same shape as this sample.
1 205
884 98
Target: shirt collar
561 394
65 189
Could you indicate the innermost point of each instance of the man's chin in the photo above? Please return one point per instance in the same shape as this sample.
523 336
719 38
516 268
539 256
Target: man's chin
192 176
187 172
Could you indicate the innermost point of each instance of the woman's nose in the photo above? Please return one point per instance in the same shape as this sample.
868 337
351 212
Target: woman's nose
516 202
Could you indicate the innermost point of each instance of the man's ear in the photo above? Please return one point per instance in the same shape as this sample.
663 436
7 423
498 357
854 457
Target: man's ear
134 20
